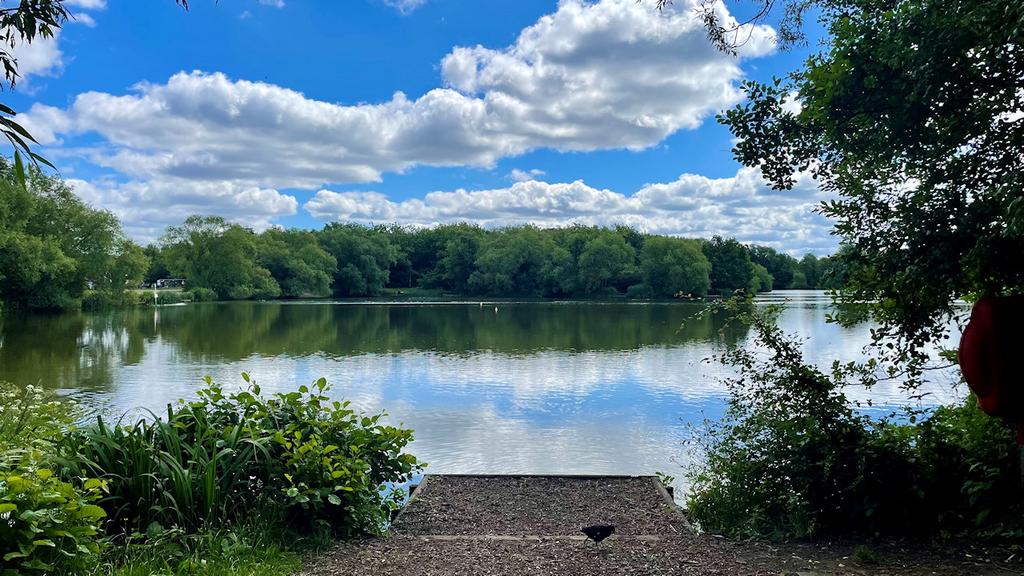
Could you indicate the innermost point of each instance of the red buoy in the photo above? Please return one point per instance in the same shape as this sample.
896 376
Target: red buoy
992 356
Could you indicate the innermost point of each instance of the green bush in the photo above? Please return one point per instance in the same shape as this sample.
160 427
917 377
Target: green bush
31 417
639 292
215 484
971 468
105 300
792 458
97 300
224 457
162 297
47 524
202 295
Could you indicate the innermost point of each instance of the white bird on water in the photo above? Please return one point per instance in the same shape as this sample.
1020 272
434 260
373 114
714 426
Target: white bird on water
495 309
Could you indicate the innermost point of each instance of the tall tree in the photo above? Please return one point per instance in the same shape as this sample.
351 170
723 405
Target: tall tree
52 245
604 260
364 256
780 265
520 261
731 268
157 267
296 261
211 253
911 116
670 266
455 260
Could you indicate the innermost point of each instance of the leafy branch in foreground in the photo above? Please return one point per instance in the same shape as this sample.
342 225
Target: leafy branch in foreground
21 25
911 116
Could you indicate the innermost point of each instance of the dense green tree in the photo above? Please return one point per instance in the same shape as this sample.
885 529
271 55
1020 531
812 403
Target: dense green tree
780 265
520 261
811 268
911 115
364 257
401 273
632 237
350 260
460 245
800 281
834 272
604 260
157 267
670 266
126 266
296 261
574 240
731 268
53 245
211 253
444 256
35 272
762 280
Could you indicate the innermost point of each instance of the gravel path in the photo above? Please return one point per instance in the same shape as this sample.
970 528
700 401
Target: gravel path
537 506
530 525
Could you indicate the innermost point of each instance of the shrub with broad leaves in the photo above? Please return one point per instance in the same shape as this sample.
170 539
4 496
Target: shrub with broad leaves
48 524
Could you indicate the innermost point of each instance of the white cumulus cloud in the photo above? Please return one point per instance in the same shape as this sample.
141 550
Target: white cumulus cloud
42 57
146 209
607 75
592 75
518 175
741 206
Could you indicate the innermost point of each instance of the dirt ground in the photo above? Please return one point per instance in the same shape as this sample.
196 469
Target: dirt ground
479 525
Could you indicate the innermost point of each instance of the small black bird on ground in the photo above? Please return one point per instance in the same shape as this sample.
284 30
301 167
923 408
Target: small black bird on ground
598 532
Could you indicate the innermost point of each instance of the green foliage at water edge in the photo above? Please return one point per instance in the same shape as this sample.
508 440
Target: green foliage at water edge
792 457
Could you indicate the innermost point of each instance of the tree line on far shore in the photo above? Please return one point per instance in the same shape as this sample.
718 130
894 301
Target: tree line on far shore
55 250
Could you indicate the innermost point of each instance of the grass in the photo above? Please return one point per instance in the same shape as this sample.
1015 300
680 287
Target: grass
209 553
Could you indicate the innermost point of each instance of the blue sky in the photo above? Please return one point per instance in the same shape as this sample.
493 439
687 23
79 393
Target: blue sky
296 113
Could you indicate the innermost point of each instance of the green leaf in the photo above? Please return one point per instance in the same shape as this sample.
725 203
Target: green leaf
19 170
93 511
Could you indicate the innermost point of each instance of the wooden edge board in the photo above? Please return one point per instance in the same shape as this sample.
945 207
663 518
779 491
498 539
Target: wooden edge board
416 494
565 476
528 537
670 502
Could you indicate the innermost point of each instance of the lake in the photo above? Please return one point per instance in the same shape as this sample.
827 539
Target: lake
493 387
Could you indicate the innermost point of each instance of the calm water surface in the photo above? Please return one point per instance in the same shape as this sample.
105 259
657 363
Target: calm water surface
492 388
